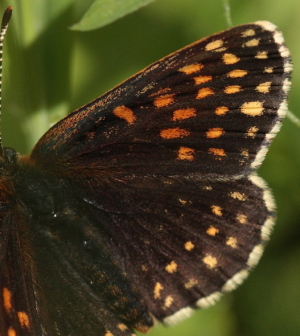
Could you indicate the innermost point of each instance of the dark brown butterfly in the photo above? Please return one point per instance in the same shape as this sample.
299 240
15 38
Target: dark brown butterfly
145 203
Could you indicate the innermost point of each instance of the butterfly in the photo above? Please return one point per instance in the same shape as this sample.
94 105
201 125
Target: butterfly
145 203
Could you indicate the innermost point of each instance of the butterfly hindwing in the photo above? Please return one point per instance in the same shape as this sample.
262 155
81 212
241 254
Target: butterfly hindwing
184 240
18 313
168 245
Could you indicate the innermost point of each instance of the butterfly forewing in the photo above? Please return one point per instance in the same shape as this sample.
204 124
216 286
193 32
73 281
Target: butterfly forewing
145 202
205 109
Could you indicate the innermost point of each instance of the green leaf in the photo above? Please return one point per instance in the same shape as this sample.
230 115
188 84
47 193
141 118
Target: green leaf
103 12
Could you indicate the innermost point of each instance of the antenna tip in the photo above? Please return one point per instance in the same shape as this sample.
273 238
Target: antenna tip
6 16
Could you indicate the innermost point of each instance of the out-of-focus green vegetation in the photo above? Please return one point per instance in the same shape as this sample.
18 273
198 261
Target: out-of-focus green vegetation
50 70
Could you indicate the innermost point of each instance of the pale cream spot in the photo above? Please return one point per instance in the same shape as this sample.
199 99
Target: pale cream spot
202 79
125 113
189 246
157 290
237 73
217 151
165 100
192 68
216 210
23 319
144 268
251 43
232 242
245 153
122 326
248 32
214 45
268 70
251 132
209 300
252 109
212 231
204 92
168 301
230 89
230 58
11 332
173 133
215 132
182 201
221 110
263 87
186 153
210 261
108 333
191 283
7 300
239 196
284 52
241 218
184 114
262 55
172 267
207 187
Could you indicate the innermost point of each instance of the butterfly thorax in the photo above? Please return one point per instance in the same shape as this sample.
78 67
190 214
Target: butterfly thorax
36 189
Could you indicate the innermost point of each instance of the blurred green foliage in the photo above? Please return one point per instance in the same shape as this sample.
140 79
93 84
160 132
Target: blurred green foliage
103 12
50 70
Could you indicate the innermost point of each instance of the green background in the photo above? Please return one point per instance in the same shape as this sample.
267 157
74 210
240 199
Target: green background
50 70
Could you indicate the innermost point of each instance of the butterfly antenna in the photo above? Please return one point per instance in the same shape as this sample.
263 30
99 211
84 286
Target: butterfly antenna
4 25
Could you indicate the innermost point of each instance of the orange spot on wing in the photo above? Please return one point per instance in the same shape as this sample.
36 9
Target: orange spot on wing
204 92
11 332
210 261
189 69
184 114
215 132
7 300
230 58
172 267
232 89
186 153
212 231
126 113
202 79
189 246
157 290
23 319
217 151
237 73
173 133
221 110
164 100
